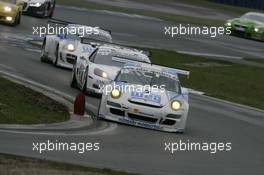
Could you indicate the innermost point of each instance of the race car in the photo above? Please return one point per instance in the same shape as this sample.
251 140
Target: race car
64 48
10 11
40 8
147 96
250 25
91 74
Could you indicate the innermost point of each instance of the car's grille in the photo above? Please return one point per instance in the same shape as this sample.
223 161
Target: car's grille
71 58
142 118
168 122
145 104
117 112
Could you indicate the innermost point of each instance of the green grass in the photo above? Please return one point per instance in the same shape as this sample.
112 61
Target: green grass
255 60
21 105
161 15
218 6
21 165
229 81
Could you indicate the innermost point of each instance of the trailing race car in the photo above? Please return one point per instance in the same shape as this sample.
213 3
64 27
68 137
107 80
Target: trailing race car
40 8
63 49
91 74
250 25
148 96
10 11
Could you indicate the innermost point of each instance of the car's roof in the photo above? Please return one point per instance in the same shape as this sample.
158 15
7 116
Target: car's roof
125 52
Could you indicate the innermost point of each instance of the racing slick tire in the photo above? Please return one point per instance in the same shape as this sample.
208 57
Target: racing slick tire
85 83
43 56
17 20
73 79
55 63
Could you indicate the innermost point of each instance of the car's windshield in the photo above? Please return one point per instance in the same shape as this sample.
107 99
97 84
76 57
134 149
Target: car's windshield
139 77
9 1
255 17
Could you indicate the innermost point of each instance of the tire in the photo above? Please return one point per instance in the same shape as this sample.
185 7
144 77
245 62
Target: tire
16 21
43 15
84 90
73 79
19 19
55 63
43 56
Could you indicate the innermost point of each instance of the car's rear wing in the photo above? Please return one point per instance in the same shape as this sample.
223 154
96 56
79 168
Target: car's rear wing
173 70
160 68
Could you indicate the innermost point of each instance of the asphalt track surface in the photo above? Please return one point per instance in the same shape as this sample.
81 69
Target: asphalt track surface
135 149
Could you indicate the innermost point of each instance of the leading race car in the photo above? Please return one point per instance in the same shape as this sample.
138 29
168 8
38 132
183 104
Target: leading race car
91 74
148 96
10 11
40 8
250 25
64 48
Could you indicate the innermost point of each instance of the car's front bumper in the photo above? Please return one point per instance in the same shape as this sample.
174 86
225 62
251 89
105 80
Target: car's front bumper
143 116
4 16
32 10
66 59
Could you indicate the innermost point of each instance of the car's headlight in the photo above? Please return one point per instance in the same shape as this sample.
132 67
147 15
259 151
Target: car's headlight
38 4
115 94
256 29
176 105
8 9
100 73
70 47
228 23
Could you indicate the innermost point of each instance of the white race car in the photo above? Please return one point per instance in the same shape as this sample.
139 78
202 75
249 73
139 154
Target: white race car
63 49
148 96
91 74
40 8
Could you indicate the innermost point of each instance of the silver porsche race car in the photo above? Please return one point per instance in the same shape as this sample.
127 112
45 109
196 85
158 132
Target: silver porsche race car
40 8
148 96
63 49
91 74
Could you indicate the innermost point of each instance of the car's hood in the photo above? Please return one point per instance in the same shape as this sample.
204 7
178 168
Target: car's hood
156 98
3 4
247 22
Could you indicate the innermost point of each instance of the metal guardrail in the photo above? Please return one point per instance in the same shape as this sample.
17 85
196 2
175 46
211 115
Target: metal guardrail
256 4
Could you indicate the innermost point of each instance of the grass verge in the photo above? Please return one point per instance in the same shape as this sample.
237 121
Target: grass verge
161 15
21 105
21 165
229 81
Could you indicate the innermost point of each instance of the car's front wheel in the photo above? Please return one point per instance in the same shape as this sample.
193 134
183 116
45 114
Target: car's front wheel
16 21
73 79
84 85
55 63
43 55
